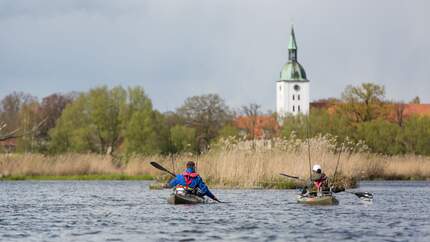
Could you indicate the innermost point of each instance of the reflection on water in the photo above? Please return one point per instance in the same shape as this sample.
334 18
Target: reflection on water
128 211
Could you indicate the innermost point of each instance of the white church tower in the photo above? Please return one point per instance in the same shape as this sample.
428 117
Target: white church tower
292 90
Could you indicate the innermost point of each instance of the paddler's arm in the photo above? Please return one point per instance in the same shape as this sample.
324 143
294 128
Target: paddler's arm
205 190
172 183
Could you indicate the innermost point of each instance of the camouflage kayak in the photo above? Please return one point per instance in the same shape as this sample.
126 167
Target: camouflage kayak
318 200
177 198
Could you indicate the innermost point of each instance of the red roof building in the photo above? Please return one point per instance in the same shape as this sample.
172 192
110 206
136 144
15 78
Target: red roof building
257 127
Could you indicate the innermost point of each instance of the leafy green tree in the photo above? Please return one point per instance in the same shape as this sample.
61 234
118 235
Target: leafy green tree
73 130
145 132
141 134
183 138
105 109
416 135
102 119
319 121
381 136
228 130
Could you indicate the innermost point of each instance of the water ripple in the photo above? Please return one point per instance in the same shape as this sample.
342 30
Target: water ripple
128 211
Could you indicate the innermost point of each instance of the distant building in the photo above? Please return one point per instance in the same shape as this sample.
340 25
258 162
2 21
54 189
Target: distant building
257 127
396 111
292 90
416 109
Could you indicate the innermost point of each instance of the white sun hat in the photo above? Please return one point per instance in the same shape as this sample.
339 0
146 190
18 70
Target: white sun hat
316 167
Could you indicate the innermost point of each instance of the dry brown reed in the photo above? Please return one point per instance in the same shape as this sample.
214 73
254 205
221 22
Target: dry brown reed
233 163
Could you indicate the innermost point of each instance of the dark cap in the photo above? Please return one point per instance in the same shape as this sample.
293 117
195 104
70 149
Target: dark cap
191 164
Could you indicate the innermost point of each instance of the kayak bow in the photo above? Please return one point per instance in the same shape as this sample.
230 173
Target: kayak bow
177 198
317 200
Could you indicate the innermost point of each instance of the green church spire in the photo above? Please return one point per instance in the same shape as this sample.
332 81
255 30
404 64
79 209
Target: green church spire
292 46
292 42
293 71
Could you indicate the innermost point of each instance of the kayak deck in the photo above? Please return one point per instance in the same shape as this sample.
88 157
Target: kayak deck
176 198
318 200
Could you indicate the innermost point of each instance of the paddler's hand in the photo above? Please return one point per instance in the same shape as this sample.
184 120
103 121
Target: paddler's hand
166 185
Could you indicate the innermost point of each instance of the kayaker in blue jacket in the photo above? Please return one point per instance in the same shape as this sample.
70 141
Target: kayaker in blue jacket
191 182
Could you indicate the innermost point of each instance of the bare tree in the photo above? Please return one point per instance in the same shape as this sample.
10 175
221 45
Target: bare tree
416 100
252 111
51 108
8 135
207 114
363 102
399 112
16 133
10 108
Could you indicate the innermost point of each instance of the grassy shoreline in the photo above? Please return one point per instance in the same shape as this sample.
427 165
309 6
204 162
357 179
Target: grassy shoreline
90 177
288 184
232 165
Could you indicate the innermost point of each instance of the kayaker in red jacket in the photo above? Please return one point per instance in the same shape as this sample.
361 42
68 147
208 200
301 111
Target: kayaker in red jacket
318 182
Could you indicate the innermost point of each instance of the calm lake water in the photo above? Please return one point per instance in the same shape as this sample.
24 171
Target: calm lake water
129 211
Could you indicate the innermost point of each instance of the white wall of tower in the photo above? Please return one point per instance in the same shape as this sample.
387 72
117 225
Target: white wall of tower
292 100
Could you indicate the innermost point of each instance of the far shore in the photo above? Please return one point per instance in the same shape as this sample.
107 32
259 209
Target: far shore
89 177
157 184
233 165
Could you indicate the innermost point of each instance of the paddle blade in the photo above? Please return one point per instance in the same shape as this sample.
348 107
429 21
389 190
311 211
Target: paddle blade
364 195
294 177
160 167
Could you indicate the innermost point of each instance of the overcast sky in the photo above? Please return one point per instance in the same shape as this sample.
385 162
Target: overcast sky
177 49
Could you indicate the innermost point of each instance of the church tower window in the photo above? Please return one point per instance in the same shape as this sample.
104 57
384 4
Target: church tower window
294 108
298 97
298 108
293 96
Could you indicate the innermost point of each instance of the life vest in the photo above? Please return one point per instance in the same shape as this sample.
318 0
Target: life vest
319 183
189 177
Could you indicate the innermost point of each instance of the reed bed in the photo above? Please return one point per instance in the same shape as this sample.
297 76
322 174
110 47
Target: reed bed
232 163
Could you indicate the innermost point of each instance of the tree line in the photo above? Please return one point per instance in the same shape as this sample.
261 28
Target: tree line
122 120
113 120
363 114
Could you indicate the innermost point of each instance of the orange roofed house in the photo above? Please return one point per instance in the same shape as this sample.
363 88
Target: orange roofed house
257 127
398 111
416 109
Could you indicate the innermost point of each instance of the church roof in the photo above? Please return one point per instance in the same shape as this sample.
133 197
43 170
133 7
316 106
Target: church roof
293 71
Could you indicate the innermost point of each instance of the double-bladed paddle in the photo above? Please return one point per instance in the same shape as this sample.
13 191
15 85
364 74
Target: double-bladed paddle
161 168
361 195
294 177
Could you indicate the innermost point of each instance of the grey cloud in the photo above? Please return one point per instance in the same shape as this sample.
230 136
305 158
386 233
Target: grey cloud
176 49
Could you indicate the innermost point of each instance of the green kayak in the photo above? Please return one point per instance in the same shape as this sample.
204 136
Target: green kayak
176 198
318 200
